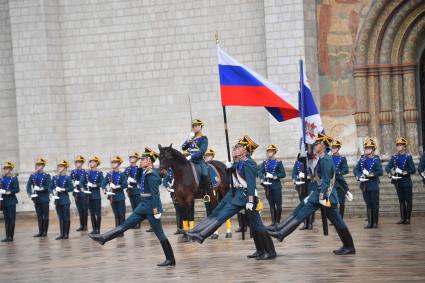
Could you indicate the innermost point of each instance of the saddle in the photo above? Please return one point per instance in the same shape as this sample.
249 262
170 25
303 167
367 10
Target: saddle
212 173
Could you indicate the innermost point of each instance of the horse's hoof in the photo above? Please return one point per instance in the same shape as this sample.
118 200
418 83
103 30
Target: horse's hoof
229 235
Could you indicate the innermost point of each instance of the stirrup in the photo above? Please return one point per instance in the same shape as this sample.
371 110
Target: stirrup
206 198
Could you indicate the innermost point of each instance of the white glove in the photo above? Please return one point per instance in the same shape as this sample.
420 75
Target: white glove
37 188
157 216
112 186
171 190
76 183
2 191
349 196
365 172
301 175
269 175
322 202
423 174
91 185
398 171
189 157
249 206
229 164
191 135
131 180
59 189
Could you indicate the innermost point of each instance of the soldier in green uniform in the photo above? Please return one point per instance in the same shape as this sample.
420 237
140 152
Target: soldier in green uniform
243 196
367 171
38 188
116 181
323 193
399 168
341 169
197 144
92 182
149 208
81 198
271 173
60 186
9 187
132 191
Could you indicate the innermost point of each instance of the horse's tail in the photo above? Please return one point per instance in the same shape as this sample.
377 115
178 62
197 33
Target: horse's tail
222 170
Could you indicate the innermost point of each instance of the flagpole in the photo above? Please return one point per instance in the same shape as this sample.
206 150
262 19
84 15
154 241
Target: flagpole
226 130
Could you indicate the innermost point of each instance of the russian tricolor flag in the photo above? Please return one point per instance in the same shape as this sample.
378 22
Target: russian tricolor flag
240 86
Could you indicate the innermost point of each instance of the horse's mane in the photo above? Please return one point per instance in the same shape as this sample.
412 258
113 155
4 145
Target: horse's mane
178 156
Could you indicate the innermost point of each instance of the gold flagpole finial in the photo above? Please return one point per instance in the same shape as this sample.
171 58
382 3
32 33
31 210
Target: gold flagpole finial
216 38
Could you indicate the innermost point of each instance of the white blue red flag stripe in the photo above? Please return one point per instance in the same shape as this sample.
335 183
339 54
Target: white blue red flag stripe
240 86
310 117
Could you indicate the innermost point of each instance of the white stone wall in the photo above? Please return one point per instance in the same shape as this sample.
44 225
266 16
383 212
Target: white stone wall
8 118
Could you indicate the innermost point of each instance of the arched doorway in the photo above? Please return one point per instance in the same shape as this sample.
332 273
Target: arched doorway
386 74
422 97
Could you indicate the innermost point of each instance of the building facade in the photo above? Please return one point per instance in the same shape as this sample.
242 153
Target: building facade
111 76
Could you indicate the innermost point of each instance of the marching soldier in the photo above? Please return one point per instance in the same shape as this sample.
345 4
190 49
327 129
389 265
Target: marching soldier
243 196
60 186
92 182
341 169
209 156
271 172
38 188
9 187
421 167
81 198
149 208
132 191
168 182
367 171
399 168
300 174
197 144
117 183
323 193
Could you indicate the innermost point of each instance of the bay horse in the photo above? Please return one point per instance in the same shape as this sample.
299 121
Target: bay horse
186 187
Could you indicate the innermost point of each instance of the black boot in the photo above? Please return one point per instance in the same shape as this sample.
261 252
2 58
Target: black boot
169 255
280 225
408 212
347 242
7 227
307 223
201 225
66 226
272 216
40 227
342 210
107 236
278 215
259 249
85 220
286 230
402 214
45 227
61 228
270 252
12 231
81 222
98 222
310 222
375 217
200 236
93 224
369 219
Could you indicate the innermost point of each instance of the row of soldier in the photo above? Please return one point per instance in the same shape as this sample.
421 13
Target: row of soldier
87 185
